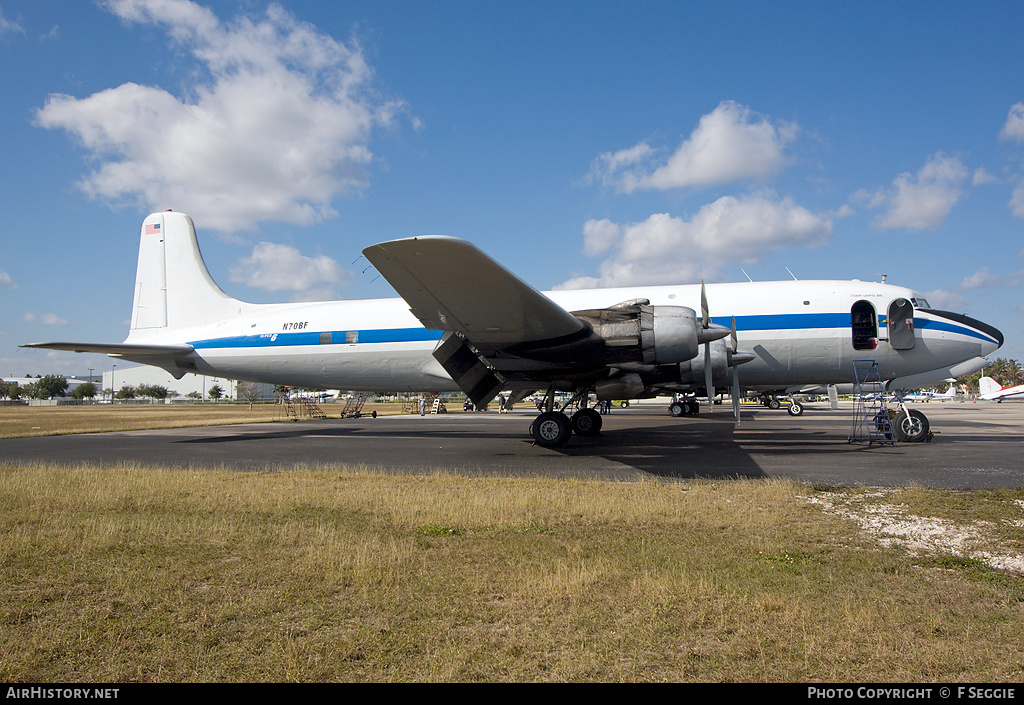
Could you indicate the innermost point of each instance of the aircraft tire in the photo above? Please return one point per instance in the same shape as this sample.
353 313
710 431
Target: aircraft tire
912 430
551 429
796 409
586 422
677 409
773 404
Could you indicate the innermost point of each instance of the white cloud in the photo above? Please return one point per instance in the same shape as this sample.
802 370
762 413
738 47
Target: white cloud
1017 200
920 201
6 281
275 267
50 319
1014 127
7 26
945 300
279 129
983 277
982 176
664 249
730 143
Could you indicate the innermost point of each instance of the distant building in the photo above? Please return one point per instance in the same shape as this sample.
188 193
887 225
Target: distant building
134 376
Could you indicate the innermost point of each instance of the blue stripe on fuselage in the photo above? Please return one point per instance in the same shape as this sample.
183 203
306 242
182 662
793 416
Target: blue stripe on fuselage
270 340
782 321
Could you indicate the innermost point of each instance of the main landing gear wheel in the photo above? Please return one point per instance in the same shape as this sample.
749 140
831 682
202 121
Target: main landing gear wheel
677 408
796 409
551 429
773 404
912 430
586 422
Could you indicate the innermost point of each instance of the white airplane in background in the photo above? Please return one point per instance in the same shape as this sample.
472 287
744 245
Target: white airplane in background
991 390
929 396
466 323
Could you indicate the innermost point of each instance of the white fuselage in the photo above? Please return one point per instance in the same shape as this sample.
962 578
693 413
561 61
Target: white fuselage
799 331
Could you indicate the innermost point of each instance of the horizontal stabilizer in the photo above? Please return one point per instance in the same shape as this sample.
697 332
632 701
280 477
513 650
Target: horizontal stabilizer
115 348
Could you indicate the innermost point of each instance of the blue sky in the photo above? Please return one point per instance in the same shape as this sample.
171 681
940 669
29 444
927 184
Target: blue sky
579 143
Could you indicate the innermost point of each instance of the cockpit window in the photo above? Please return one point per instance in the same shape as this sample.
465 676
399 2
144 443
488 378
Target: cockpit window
920 302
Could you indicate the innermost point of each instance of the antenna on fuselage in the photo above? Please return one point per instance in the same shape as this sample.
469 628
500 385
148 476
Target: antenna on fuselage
792 275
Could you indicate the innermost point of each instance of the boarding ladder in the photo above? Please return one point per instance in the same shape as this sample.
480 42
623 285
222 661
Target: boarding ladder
871 422
354 406
312 409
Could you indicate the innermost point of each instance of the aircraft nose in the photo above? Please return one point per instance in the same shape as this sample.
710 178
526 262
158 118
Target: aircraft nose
990 336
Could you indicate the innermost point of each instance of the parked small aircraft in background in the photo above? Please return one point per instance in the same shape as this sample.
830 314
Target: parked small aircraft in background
991 390
466 323
950 393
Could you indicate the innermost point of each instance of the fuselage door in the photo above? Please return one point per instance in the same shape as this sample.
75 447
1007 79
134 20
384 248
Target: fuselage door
864 326
901 325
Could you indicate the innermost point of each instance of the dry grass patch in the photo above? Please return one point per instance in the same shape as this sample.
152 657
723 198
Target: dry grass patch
22 421
132 574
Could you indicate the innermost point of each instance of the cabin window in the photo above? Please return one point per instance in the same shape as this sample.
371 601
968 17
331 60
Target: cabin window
901 325
352 336
326 338
864 325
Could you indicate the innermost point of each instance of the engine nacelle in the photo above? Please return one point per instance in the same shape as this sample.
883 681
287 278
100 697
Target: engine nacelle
692 371
628 386
636 332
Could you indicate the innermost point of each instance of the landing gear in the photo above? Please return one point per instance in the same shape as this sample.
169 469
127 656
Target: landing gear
795 409
684 407
551 429
585 422
911 426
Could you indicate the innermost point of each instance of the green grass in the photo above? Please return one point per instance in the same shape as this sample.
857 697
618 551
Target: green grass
333 574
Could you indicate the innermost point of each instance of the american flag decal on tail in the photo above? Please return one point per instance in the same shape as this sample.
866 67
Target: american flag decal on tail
152 229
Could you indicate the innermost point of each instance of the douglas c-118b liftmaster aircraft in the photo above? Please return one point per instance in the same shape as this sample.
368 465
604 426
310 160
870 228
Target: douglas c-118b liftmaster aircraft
466 323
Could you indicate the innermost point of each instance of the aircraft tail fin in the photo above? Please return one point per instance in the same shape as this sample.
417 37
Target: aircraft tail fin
987 385
173 288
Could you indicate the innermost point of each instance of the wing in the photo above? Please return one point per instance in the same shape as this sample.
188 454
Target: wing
451 285
173 358
500 328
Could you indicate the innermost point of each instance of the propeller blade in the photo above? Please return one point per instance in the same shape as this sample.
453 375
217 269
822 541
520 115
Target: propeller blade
735 340
705 317
708 378
736 393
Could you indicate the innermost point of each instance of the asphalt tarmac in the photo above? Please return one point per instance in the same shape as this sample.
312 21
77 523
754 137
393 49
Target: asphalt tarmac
976 445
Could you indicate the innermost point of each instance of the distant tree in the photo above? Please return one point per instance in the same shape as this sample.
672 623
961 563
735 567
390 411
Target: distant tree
248 391
86 390
215 392
193 395
125 392
1007 372
153 391
10 390
48 387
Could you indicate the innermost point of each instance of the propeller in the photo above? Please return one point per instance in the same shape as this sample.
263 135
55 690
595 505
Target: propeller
735 374
706 324
709 333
